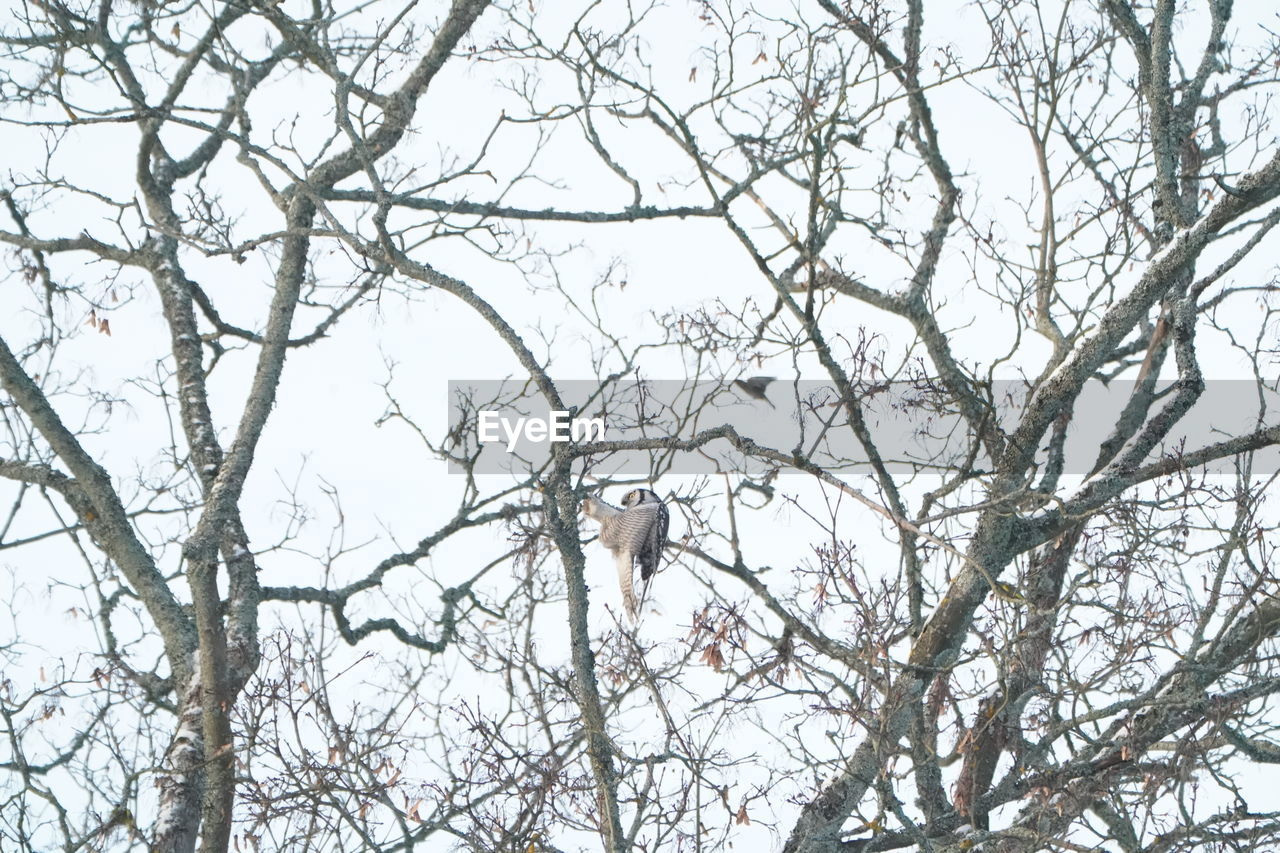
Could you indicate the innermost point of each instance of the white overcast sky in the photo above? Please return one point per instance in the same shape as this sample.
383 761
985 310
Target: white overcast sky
321 435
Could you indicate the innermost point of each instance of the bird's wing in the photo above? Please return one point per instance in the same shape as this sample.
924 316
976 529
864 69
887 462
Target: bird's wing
650 557
603 513
646 534
598 509
658 542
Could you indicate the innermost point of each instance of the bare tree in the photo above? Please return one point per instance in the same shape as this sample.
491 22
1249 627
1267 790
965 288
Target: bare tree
968 638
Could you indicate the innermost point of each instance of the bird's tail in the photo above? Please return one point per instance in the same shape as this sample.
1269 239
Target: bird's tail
644 590
626 581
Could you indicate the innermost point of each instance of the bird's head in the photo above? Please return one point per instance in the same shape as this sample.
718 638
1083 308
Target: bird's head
639 496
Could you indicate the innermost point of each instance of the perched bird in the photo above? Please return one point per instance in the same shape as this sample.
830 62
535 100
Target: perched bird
636 534
754 387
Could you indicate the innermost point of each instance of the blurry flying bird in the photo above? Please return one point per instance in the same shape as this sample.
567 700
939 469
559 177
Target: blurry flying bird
754 387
